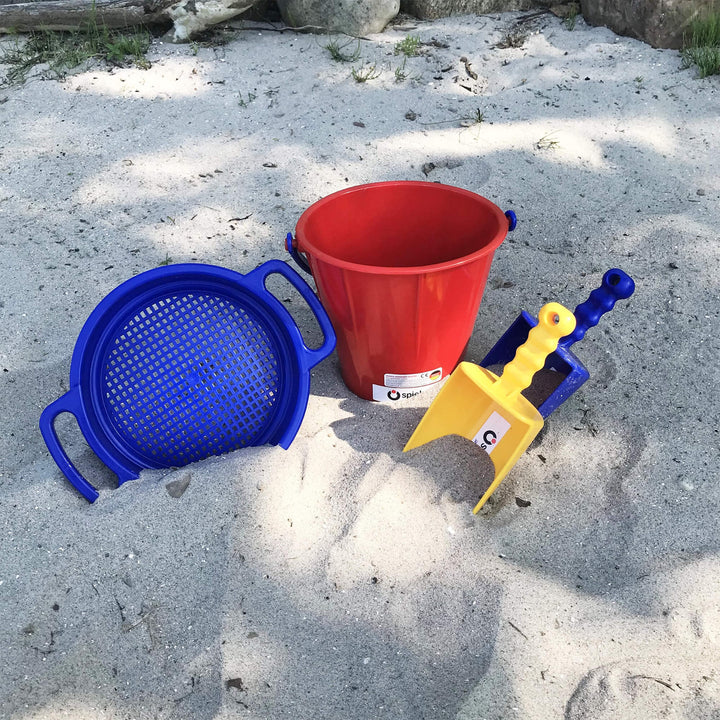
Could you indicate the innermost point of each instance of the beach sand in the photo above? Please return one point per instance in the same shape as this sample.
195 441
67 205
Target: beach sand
342 578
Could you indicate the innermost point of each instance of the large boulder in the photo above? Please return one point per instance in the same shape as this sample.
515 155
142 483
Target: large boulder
352 17
433 9
660 23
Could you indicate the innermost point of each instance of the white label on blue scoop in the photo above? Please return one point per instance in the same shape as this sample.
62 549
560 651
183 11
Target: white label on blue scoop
492 432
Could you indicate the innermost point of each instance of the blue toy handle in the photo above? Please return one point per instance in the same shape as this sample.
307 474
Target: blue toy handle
296 256
616 285
512 219
311 356
70 403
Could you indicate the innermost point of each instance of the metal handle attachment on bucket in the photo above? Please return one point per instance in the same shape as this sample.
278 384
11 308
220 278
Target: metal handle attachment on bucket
291 247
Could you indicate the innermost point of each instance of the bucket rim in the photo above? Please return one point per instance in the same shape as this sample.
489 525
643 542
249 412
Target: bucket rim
303 245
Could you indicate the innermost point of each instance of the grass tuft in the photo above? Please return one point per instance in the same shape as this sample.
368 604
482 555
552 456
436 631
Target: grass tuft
571 20
477 119
338 54
365 73
409 47
513 38
63 51
547 142
701 45
243 102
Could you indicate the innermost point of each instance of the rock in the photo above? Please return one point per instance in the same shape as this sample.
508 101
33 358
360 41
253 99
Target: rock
449 163
263 11
176 488
352 17
659 23
566 10
433 9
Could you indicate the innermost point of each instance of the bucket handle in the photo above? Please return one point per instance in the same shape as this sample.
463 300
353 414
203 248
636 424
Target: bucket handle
291 247
512 220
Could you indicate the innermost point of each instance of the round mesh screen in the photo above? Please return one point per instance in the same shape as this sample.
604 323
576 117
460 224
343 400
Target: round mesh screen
188 377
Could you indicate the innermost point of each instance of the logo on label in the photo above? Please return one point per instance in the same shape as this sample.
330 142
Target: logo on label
383 393
489 437
492 432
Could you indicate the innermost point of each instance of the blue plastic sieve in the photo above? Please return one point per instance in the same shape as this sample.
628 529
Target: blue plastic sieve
183 362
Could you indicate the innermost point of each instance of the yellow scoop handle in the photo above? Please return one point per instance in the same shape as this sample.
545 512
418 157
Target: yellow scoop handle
554 322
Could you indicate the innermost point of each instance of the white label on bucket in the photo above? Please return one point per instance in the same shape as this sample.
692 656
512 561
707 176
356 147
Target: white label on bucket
383 393
492 432
413 380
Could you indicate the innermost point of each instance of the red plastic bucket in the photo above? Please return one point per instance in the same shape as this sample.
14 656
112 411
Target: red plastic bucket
400 268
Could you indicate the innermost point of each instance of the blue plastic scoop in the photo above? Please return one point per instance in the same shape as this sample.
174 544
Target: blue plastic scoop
616 285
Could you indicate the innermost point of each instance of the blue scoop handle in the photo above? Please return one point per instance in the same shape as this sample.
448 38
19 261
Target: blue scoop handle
616 285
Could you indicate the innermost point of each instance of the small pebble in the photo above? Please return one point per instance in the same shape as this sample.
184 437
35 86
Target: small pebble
176 488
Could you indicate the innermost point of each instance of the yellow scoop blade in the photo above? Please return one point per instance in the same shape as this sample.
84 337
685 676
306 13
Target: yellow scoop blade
490 410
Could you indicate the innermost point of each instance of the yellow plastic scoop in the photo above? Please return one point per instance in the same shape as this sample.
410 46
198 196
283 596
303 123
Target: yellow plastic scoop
490 410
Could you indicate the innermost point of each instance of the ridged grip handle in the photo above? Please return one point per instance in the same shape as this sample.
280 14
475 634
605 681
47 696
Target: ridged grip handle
554 322
616 285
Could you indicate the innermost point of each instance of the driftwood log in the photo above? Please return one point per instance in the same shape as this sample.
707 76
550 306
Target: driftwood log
188 16
70 14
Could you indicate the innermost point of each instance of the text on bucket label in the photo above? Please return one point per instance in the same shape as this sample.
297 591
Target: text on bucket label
492 432
413 380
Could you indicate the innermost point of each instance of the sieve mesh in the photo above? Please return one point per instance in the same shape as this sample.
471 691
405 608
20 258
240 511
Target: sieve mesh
190 376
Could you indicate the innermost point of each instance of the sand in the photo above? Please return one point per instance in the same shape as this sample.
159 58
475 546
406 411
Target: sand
342 578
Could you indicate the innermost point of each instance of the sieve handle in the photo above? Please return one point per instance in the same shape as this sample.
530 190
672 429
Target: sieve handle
67 403
291 247
310 357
